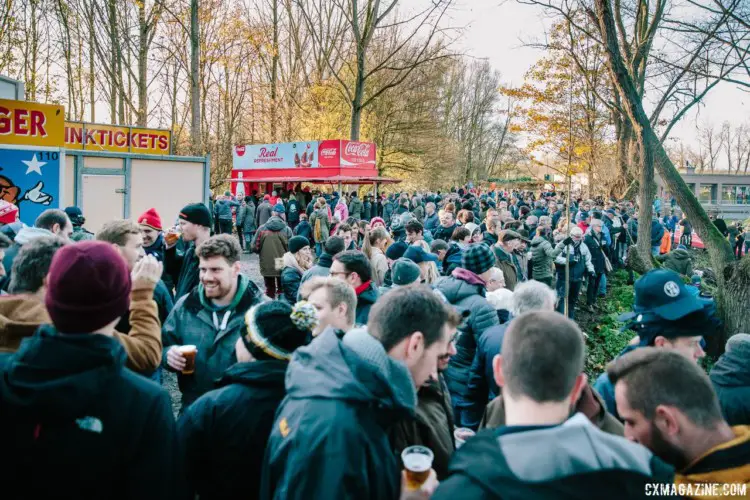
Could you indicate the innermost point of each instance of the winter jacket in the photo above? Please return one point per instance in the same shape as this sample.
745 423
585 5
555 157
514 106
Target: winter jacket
271 243
330 437
431 222
164 305
444 233
21 315
224 433
195 321
341 212
509 265
183 267
419 213
304 229
379 266
355 208
263 212
367 210
292 211
542 255
726 463
731 379
248 220
580 260
291 276
589 404
388 210
482 387
365 300
465 291
81 234
606 389
320 219
223 209
432 427
25 235
594 245
678 260
578 459
657 232
156 248
96 429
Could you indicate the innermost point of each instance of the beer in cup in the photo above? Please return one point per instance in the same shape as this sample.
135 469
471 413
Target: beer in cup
418 463
461 434
172 236
188 352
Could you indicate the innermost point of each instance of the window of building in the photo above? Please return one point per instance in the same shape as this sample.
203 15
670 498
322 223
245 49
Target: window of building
706 193
735 194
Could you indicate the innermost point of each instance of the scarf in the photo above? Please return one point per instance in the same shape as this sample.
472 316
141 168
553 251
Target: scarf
242 284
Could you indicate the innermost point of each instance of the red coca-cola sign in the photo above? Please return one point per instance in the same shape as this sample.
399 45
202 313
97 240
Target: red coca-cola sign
328 153
357 154
240 150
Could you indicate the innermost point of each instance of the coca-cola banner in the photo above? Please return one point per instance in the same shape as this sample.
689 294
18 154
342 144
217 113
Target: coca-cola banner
331 153
281 155
357 154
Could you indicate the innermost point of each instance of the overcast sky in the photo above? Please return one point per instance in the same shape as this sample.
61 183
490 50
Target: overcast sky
496 30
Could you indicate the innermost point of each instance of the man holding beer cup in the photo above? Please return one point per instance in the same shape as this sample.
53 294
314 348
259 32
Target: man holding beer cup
194 229
329 439
200 333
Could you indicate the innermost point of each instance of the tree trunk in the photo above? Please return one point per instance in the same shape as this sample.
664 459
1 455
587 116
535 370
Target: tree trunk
92 67
732 279
274 69
143 32
645 201
359 93
195 90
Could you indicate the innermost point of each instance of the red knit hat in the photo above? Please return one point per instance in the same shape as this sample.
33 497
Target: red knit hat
88 286
8 212
151 219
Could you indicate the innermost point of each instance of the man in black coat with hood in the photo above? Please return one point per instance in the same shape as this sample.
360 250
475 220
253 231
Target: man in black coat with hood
344 391
224 433
75 422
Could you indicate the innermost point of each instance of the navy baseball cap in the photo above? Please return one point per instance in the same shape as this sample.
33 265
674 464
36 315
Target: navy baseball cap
663 293
417 254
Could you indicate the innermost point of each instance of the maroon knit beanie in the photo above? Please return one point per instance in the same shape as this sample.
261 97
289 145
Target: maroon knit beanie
88 286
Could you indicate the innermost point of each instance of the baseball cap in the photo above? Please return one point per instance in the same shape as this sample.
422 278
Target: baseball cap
417 254
663 293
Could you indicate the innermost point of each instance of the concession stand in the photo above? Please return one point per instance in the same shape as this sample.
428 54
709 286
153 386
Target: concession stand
337 162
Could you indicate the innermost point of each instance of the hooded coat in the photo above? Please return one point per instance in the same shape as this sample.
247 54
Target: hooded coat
731 379
224 433
330 437
678 260
320 217
569 461
356 207
431 222
195 321
77 424
291 276
509 265
465 291
542 255
263 212
271 243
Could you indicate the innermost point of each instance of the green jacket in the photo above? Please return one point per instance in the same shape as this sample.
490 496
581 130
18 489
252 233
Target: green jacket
542 255
678 261
195 321
355 208
320 216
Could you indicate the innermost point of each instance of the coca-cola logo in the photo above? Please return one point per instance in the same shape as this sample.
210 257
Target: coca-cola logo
360 149
328 152
240 150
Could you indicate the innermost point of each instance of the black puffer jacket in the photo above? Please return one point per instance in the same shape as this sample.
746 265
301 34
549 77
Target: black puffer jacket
465 291
595 248
70 408
224 433
731 379
290 280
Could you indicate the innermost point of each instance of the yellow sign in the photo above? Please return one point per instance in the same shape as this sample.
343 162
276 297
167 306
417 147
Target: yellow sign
31 124
95 137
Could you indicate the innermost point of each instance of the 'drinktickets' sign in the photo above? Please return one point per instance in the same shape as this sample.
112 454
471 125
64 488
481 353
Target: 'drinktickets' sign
325 154
118 139
31 124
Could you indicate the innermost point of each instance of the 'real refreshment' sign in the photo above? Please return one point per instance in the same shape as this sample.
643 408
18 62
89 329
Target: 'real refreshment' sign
31 124
118 139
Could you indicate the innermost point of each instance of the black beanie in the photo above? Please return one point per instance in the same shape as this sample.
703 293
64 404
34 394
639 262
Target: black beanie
297 243
275 329
196 213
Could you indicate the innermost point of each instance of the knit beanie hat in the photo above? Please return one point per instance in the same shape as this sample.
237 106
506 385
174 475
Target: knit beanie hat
297 243
739 344
405 272
274 329
478 259
279 209
88 286
196 213
150 218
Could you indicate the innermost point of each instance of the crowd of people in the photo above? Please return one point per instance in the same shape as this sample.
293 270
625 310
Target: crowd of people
440 323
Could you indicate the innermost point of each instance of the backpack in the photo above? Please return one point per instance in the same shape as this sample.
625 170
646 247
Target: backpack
318 231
